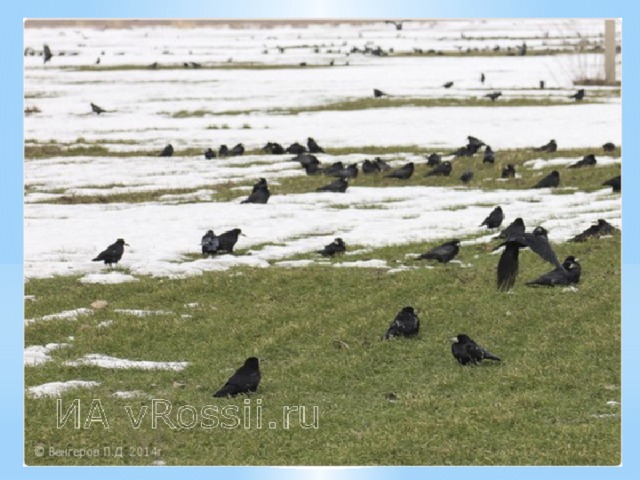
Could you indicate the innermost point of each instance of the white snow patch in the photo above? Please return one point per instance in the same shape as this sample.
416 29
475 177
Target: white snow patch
66 315
39 354
128 394
55 389
373 263
613 403
142 313
110 278
104 361
539 163
294 263
105 323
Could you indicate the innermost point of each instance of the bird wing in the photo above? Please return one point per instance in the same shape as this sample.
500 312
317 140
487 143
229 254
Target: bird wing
507 270
540 245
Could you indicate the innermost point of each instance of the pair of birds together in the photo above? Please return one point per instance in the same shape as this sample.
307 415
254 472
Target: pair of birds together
213 244
463 348
406 323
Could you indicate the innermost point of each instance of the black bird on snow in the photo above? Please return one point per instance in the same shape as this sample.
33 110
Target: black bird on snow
406 324
259 194
608 147
306 159
296 148
514 228
434 159
482 78
97 109
466 176
336 247
508 264
495 218
489 156
47 53
595 231
167 151
223 151
313 146
403 173
466 351
237 151
587 161
112 254
209 243
550 147
209 154
475 142
615 183
312 168
398 24
350 171
550 181
509 171
566 274
443 169
340 185
228 240
379 93
273 148
493 96
579 95
244 380
333 168
448 85
442 253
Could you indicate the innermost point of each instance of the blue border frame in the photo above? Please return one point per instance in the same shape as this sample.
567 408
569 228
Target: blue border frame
11 194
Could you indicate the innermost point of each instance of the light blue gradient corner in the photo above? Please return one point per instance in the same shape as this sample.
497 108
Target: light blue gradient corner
11 191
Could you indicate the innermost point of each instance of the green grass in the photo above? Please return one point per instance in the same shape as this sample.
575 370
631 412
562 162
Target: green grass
317 331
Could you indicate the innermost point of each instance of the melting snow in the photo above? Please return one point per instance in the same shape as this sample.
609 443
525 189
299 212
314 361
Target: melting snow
55 389
103 361
66 315
39 354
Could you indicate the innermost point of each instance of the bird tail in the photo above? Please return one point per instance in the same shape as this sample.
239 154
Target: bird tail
224 392
491 356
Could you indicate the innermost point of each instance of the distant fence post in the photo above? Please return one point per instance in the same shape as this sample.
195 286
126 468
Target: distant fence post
610 52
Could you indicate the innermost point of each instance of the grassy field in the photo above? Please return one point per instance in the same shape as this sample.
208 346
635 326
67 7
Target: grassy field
317 332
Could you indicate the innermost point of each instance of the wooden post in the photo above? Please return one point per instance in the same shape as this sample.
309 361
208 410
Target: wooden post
610 52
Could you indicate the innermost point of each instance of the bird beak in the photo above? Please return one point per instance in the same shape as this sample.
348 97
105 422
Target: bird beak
127 245
243 234
454 340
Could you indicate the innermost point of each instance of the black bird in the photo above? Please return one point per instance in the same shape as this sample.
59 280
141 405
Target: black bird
550 147
579 95
443 169
448 85
379 93
466 176
398 25
482 78
227 240
614 183
223 151
112 254
296 148
509 171
244 380
47 53
495 218
474 142
167 151
403 173
273 148
467 351
370 167
550 181
154 65
384 166
587 161
259 194
595 231
339 185
508 264
237 151
493 96
566 274
489 156
306 159
406 324
209 154
350 171
608 147
313 146
97 109
442 253
336 247
466 151
434 159
333 168
209 243
514 228
312 168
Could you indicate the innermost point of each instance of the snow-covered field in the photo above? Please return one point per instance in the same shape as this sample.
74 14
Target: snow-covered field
62 239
